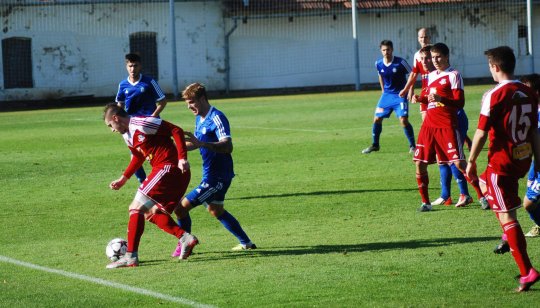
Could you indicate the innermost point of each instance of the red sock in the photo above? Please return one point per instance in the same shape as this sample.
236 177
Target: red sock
423 182
476 185
135 230
166 223
518 246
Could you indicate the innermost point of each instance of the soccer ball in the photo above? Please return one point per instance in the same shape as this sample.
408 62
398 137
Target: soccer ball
116 248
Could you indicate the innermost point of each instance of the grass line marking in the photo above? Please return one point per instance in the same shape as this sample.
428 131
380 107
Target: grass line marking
103 282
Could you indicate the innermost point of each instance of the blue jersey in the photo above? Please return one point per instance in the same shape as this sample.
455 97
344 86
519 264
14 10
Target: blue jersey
394 75
212 128
140 97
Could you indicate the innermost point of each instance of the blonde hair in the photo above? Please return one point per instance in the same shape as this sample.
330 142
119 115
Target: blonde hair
194 91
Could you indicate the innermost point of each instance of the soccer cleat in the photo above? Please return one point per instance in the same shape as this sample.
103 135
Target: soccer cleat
441 201
534 232
247 246
502 248
124 262
526 282
412 150
426 207
176 253
371 148
464 200
484 203
187 242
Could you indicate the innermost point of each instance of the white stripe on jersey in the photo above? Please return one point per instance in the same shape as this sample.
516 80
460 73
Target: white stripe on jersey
498 193
156 179
406 65
221 129
456 81
158 90
146 125
486 99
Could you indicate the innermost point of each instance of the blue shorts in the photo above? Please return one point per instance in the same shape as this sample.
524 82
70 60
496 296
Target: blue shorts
209 191
533 191
392 102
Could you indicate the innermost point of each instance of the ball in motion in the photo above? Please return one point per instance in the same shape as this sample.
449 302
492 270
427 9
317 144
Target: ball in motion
116 248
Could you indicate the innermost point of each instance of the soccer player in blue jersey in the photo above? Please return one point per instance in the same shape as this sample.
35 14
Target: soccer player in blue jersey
393 73
213 139
139 95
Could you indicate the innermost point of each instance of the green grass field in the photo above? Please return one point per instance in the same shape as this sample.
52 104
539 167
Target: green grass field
335 228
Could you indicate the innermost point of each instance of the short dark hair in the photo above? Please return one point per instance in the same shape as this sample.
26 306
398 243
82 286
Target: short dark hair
114 109
426 49
441 48
387 43
533 80
133 57
503 57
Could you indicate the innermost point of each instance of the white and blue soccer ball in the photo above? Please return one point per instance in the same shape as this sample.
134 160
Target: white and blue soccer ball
116 249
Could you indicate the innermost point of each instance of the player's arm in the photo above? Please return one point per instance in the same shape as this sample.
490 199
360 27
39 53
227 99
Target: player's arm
137 160
479 140
381 82
457 98
409 87
224 145
177 133
159 108
536 149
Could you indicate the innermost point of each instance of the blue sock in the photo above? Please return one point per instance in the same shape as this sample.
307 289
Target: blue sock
446 180
140 174
376 133
185 223
535 215
230 223
409 133
460 180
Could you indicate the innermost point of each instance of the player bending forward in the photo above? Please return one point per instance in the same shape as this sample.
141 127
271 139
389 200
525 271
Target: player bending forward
150 138
508 116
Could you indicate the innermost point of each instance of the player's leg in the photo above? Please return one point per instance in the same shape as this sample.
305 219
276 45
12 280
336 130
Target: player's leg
503 193
231 224
402 111
422 180
135 231
446 180
140 174
383 110
182 214
530 203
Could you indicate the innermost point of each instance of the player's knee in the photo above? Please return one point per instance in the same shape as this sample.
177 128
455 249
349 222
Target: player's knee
215 210
377 120
529 205
180 211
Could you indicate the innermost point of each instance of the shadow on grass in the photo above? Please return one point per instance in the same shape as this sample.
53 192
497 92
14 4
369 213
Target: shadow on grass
323 193
340 249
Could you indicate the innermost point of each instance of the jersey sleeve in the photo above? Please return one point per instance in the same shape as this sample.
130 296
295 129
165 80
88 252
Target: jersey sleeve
137 160
177 134
223 129
406 66
484 122
158 93
120 96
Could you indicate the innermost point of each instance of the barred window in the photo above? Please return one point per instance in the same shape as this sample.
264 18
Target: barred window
145 44
17 59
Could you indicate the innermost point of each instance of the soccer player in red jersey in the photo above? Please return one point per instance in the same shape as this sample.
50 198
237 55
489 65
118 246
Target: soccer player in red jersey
508 117
424 40
438 140
159 195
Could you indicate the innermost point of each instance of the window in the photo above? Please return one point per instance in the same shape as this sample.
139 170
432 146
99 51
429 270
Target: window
144 44
17 59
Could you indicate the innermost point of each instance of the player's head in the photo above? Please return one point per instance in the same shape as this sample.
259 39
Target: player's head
501 59
196 99
116 118
440 55
424 37
425 58
387 47
133 65
533 81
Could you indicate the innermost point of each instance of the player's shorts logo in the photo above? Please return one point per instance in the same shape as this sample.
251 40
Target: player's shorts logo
204 130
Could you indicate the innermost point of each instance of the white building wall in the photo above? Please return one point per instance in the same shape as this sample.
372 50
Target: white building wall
79 49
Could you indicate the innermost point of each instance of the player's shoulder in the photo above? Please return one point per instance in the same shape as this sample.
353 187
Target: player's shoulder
147 125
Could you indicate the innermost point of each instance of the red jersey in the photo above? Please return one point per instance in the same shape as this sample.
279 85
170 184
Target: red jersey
418 68
150 138
509 112
449 86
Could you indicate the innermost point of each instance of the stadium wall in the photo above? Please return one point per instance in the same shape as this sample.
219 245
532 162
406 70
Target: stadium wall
78 49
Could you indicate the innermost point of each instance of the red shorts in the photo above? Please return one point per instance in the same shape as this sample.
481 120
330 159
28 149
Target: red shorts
502 191
166 186
438 145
